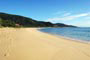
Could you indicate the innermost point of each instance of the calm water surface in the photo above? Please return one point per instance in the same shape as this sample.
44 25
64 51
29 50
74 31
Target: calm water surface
82 34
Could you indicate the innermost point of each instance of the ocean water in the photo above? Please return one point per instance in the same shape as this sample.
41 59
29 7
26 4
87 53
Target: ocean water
79 34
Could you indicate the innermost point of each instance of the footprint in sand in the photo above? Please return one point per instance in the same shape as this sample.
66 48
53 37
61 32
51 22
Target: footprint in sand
6 54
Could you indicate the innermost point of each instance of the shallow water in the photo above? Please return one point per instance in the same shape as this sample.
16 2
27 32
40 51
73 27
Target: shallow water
81 33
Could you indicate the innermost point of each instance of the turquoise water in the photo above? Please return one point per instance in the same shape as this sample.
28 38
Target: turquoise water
82 34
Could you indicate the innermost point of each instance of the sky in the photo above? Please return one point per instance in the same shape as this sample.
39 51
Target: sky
71 12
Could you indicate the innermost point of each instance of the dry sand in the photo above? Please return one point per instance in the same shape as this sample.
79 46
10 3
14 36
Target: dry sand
30 44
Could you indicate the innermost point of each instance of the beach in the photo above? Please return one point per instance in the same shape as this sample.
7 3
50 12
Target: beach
31 44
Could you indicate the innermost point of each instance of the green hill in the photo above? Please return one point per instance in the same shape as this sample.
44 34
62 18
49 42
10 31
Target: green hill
10 20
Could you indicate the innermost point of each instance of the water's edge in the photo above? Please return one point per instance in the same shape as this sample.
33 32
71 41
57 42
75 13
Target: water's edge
66 38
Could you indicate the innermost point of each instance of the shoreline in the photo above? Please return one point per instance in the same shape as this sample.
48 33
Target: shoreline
67 38
31 44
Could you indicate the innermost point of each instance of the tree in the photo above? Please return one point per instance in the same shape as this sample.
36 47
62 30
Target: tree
0 22
8 23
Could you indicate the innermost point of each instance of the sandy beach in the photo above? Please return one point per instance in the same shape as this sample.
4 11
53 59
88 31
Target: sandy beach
31 44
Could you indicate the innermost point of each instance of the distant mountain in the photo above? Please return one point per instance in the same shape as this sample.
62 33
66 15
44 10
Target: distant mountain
10 20
63 25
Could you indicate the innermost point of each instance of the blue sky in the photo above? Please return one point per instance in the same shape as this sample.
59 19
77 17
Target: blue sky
73 12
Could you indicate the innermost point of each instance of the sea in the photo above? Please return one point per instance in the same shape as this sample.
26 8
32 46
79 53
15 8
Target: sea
78 34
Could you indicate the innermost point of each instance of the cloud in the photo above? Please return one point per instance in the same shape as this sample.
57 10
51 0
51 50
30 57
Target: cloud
62 13
85 23
68 16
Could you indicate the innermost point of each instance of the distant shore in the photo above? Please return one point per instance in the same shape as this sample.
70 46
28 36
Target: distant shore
31 44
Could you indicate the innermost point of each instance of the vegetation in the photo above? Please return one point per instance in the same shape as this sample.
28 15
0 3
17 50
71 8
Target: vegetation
10 20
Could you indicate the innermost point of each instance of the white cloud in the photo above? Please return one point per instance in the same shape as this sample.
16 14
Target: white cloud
85 23
62 13
68 16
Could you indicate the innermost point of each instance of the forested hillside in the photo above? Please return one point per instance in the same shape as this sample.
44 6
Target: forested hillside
10 20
